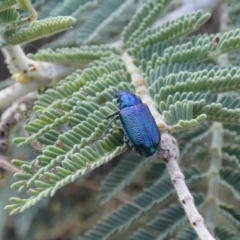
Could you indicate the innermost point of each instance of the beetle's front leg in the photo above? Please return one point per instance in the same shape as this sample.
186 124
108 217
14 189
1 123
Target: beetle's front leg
114 117
125 140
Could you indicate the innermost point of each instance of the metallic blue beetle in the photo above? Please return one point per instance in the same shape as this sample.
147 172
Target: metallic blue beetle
139 126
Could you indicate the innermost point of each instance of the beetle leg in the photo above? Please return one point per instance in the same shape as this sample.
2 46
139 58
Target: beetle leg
108 126
113 115
125 140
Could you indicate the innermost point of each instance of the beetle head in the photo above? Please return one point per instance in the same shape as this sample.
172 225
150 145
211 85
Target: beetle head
126 99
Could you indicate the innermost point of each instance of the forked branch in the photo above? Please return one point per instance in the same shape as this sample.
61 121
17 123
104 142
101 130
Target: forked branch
31 75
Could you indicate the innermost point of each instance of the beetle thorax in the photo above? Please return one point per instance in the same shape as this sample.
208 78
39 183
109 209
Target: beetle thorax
126 99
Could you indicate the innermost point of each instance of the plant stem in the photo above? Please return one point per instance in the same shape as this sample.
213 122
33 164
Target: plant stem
217 142
141 90
170 157
213 187
31 74
171 153
8 166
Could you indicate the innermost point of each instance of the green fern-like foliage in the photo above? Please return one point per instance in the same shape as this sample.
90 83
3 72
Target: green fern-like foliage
71 8
106 13
16 29
143 18
6 4
74 55
7 16
39 29
223 233
167 221
113 184
189 88
94 25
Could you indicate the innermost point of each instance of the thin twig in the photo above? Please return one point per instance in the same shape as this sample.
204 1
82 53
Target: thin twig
8 166
141 90
9 118
30 74
170 156
186 199
213 173
217 142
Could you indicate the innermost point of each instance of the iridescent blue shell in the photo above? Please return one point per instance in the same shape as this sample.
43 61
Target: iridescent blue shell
138 124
